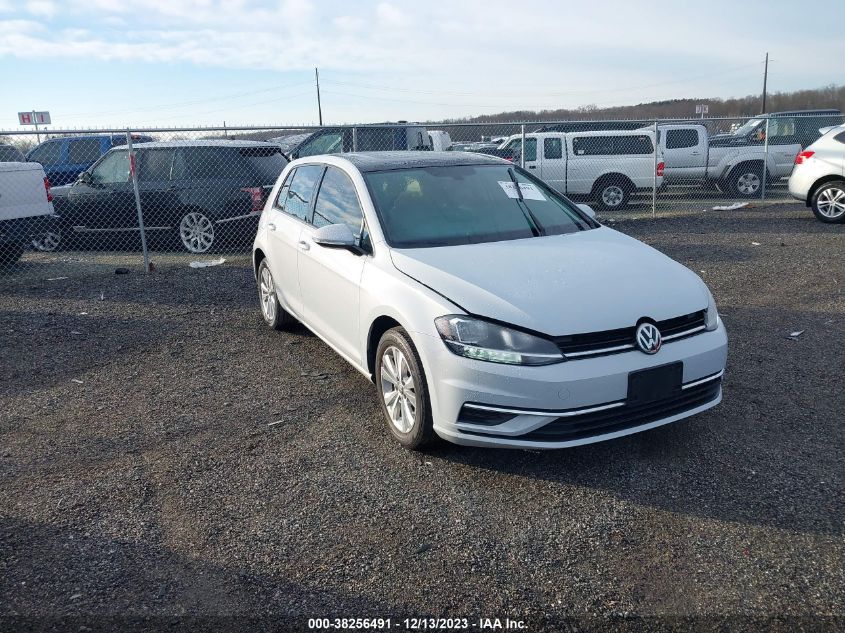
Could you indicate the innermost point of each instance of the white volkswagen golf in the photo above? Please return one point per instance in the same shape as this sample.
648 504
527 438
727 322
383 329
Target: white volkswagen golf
487 308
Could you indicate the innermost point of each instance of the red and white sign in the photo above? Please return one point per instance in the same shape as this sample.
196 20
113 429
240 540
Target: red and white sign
34 118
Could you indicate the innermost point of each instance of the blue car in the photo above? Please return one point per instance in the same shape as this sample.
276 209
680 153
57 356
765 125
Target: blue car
65 158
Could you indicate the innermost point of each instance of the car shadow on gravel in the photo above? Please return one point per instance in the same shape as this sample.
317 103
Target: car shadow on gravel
109 585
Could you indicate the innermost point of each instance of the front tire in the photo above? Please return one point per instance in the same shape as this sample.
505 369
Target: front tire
196 232
829 202
403 390
271 310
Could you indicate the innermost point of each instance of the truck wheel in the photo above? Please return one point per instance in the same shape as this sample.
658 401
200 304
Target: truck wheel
10 254
829 202
612 195
746 181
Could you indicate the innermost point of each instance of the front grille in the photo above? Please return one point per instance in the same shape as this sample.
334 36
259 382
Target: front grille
628 416
603 343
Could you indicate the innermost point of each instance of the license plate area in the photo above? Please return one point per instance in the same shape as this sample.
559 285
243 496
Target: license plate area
657 383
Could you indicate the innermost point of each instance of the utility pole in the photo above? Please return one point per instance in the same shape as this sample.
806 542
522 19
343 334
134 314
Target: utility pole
319 107
765 79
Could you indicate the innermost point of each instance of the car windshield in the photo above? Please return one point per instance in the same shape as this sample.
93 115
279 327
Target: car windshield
287 143
748 127
467 204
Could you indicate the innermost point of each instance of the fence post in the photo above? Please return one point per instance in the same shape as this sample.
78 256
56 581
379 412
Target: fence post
354 139
522 151
133 171
765 160
654 177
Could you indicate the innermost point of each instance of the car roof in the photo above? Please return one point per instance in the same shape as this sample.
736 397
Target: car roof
383 161
206 143
804 112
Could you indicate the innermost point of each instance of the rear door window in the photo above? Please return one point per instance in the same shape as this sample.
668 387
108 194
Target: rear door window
679 139
552 148
83 150
298 196
156 165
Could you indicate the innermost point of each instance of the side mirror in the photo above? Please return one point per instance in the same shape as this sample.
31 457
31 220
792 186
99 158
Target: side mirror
586 208
85 178
336 236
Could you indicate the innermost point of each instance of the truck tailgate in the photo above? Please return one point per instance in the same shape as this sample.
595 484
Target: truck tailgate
22 193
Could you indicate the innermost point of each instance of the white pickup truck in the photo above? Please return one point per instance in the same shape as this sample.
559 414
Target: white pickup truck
26 207
603 166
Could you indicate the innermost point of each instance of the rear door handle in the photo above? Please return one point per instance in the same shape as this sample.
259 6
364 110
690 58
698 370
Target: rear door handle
532 166
304 246
271 226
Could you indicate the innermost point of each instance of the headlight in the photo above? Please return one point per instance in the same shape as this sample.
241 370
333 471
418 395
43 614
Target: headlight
711 321
481 340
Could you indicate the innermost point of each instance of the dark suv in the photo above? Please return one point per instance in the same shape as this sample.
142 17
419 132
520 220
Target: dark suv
198 193
400 136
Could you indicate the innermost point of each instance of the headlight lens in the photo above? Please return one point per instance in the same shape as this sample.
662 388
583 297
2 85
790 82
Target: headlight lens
481 340
712 318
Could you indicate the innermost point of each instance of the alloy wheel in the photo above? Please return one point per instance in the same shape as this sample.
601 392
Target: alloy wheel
47 242
748 184
612 196
268 295
398 389
196 232
831 203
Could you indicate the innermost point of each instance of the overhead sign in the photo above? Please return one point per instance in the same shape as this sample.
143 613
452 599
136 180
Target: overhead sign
34 118
702 108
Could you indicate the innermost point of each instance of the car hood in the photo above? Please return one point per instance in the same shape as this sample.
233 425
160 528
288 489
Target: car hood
563 284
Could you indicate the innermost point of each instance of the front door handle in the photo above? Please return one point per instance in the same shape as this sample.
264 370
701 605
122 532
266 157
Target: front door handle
271 226
532 166
304 246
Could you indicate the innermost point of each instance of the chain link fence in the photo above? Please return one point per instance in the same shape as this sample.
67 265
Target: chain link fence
87 199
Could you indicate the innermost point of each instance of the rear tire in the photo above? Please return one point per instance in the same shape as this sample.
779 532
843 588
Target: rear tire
829 202
196 232
47 242
746 181
271 310
612 194
403 390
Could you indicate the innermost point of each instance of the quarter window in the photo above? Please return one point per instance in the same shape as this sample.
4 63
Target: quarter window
678 139
83 150
840 137
337 202
297 200
552 148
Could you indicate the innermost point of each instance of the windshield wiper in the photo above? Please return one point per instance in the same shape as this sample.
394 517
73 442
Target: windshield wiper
536 228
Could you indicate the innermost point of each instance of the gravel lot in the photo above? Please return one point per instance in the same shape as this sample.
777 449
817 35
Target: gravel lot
167 462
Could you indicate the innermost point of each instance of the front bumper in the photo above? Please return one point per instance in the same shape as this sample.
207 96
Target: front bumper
576 390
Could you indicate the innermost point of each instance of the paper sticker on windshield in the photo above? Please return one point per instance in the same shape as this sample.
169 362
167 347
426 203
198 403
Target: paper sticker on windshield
528 190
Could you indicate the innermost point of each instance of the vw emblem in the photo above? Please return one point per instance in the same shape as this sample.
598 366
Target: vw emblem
648 338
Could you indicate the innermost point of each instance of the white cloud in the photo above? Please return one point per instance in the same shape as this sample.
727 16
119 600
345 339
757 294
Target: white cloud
389 16
42 8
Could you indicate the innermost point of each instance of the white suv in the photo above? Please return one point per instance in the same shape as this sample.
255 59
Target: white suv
818 178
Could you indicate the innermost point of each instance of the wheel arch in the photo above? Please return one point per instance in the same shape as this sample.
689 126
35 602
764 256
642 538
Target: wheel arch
614 178
257 257
818 184
378 327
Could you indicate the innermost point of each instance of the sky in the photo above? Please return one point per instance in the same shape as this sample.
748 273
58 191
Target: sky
102 63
